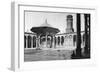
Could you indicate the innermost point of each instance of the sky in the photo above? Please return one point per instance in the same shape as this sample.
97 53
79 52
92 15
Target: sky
56 20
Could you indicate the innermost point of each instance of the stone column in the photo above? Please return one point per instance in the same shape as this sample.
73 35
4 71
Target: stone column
53 41
78 50
36 41
57 41
87 33
46 40
39 40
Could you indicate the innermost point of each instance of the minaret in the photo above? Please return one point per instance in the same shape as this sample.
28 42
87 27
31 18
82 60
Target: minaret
69 20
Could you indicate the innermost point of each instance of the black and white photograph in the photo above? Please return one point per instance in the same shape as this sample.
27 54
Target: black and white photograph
56 36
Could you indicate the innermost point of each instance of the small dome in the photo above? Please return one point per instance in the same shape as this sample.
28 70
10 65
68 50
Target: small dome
46 24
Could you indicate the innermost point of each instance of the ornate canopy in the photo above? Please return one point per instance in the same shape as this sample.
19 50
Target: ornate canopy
45 28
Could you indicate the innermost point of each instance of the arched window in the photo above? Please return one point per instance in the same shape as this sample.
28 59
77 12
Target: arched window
62 40
74 39
51 42
34 41
24 41
29 41
49 45
55 41
83 37
42 39
58 40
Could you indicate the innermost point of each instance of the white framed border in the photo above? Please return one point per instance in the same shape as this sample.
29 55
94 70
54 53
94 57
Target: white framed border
17 34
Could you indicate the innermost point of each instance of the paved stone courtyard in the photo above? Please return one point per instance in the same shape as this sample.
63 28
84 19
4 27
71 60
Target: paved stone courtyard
44 55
